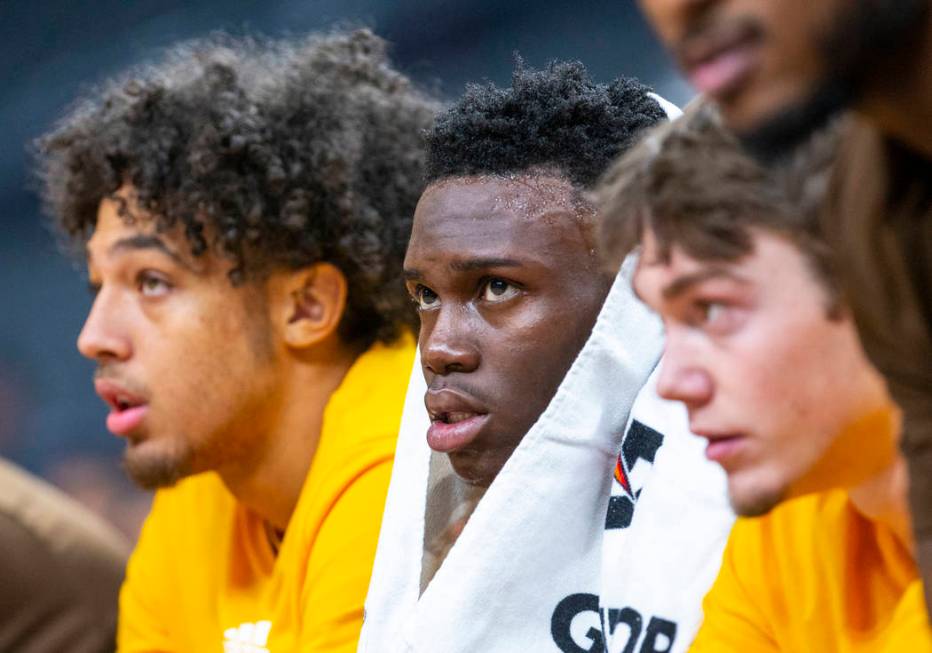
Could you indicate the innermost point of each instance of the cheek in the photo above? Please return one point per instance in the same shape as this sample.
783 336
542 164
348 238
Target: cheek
515 354
792 42
547 343
531 346
207 359
189 382
549 324
524 364
519 328
772 376
752 374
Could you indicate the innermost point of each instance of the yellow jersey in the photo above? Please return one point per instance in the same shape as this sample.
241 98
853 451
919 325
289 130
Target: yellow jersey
205 578
815 575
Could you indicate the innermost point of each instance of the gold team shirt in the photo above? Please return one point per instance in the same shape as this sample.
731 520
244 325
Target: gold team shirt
204 577
815 575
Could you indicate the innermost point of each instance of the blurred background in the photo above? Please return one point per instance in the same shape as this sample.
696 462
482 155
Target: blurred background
51 422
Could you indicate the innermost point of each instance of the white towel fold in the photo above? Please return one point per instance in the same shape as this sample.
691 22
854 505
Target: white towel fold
658 565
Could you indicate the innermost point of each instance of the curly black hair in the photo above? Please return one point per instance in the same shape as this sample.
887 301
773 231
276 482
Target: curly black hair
274 153
555 118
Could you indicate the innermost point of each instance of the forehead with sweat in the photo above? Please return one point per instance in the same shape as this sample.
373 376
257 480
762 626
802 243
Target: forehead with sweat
539 195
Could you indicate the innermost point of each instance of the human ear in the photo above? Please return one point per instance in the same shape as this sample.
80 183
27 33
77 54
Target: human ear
311 303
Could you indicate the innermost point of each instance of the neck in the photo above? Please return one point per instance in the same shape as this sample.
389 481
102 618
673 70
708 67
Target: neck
270 480
864 460
900 103
882 499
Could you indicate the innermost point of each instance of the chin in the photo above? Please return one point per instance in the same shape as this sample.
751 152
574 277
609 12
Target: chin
473 469
754 501
776 131
153 464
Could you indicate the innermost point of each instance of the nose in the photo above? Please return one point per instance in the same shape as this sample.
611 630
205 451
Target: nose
448 344
683 377
103 336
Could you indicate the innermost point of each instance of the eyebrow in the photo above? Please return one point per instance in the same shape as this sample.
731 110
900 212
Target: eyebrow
467 265
681 284
143 242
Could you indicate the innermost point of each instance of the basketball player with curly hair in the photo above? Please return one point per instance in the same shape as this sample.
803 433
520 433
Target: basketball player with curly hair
244 208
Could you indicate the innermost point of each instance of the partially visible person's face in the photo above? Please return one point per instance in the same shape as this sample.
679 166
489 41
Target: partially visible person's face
780 69
508 288
184 358
782 391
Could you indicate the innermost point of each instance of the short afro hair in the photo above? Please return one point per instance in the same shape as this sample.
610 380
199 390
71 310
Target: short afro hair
556 118
274 153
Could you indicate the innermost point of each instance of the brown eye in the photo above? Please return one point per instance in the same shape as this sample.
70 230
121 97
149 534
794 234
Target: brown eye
425 298
152 285
498 290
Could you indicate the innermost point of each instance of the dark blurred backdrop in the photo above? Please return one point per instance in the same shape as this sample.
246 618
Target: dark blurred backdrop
50 420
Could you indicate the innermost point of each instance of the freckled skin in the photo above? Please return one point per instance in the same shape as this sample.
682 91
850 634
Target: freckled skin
755 354
508 355
199 355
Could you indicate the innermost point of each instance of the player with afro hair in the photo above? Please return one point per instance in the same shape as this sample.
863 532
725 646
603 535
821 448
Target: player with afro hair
502 265
508 172
557 118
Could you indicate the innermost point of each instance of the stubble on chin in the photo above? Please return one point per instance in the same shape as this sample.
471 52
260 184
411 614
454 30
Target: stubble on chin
152 467
864 47
778 136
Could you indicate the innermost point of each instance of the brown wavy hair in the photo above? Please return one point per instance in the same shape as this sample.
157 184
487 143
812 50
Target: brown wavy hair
692 186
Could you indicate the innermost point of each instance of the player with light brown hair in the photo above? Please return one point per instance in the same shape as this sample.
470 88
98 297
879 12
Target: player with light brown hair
780 70
762 350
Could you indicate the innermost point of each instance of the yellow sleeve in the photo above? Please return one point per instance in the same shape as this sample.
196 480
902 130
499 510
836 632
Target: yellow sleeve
145 595
732 619
341 564
910 629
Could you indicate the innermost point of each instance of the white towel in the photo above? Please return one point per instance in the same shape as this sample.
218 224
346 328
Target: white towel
658 565
535 538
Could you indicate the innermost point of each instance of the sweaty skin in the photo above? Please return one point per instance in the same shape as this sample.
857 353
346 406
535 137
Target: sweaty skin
508 287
